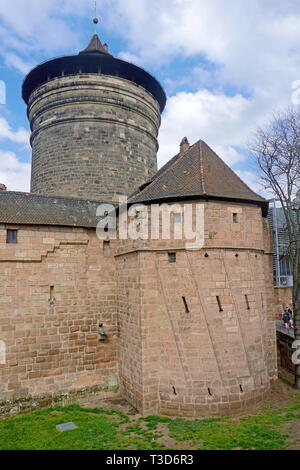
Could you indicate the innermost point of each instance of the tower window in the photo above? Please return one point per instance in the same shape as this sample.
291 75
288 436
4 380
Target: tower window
235 218
172 257
11 236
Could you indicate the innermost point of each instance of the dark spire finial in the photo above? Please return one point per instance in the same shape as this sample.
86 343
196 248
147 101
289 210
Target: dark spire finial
95 20
95 45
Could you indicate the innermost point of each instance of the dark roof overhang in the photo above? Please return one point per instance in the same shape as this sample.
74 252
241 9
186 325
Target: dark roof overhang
264 205
97 63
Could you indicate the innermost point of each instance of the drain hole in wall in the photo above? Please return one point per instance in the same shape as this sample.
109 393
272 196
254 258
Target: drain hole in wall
241 389
206 255
174 391
209 392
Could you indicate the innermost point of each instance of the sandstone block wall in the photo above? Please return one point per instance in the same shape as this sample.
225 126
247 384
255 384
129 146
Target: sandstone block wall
194 358
130 340
54 347
93 136
171 346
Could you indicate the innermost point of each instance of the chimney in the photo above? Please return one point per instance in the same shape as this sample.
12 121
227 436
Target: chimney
185 145
3 187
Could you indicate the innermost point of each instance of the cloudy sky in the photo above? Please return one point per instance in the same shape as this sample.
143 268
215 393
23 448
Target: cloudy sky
226 65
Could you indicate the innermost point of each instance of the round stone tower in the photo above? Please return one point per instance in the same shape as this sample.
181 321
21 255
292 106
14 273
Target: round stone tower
94 122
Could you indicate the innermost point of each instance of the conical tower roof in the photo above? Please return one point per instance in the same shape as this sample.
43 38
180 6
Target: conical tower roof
94 59
197 173
95 46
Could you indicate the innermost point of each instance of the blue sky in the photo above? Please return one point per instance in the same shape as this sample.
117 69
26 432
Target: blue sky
226 65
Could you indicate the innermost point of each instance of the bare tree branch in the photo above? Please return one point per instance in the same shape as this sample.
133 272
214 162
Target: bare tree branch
276 151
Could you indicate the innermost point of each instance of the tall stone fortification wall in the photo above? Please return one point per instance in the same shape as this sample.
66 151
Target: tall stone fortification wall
93 136
166 359
203 361
54 349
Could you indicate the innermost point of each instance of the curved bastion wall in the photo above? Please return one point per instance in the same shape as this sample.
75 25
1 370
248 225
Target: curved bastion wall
93 136
197 335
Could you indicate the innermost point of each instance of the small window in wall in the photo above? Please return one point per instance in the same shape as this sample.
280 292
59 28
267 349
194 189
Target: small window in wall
172 257
11 236
51 292
235 218
247 302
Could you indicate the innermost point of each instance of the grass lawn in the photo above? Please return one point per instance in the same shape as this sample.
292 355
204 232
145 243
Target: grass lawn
113 430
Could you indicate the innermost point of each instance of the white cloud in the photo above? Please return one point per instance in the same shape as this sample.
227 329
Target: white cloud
251 41
218 119
12 60
21 136
34 25
14 173
129 57
254 182
253 47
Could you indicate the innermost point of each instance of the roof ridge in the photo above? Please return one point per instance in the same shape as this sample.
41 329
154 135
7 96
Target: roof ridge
157 174
233 172
154 180
201 168
29 194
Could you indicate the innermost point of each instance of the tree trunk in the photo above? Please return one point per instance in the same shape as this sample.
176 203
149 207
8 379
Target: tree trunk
296 308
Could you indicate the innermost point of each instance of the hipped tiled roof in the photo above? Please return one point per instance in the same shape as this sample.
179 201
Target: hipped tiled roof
196 173
34 209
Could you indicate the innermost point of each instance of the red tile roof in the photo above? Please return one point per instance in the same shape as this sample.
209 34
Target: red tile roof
197 173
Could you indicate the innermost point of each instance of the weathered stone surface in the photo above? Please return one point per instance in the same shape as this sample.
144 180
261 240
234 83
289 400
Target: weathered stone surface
183 362
52 349
93 136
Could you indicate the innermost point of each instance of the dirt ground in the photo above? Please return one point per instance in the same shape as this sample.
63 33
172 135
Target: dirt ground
280 395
